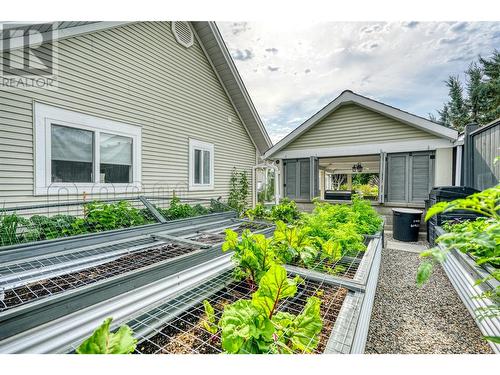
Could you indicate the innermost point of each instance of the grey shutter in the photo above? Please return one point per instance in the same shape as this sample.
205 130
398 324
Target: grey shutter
304 179
290 179
420 177
396 178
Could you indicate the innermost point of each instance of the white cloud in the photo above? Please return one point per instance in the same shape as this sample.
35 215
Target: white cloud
296 68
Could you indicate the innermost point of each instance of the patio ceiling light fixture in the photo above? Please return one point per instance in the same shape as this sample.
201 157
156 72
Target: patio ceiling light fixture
357 168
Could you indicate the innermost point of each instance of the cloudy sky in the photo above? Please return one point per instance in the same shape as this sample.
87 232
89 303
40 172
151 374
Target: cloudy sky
293 69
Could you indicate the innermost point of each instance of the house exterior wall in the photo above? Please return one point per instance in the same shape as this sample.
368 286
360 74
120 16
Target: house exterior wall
352 124
443 167
136 74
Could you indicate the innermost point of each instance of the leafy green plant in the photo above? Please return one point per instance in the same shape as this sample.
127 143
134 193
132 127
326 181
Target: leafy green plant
238 190
253 255
178 210
103 341
294 242
285 211
480 239
260 212
10 225
255 325
102 216
209 323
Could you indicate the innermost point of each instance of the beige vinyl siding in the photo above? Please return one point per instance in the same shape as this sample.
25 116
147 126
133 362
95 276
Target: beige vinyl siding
352 124
139 75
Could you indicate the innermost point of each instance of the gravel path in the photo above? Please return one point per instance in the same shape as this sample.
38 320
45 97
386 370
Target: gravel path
409 320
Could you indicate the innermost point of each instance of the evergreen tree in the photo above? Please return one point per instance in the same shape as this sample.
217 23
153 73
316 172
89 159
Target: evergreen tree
475 101
481 103
444 116
457 109
490 87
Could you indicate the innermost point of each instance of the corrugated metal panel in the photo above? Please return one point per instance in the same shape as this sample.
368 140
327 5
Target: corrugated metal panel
137 74
352 124
486 147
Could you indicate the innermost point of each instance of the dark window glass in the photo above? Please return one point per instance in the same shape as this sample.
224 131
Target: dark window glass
197 166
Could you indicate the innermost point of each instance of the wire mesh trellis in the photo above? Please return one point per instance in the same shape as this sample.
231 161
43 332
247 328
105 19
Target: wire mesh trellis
217 235
345 267
16 291
177 325
179 207
26 224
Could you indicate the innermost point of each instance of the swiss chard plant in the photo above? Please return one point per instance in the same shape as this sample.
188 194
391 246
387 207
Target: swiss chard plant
293 242
255 325
103 341
253 255
480 239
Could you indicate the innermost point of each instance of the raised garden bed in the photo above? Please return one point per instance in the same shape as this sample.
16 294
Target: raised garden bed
128 262
463 273
185 333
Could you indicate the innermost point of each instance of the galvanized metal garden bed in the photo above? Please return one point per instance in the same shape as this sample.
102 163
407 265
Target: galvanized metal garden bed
463 273
154 278
45 280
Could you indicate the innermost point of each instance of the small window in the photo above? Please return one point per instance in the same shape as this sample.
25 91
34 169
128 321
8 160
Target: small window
81 153
201 156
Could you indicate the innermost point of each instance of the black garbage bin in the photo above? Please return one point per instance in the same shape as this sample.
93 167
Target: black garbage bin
406 224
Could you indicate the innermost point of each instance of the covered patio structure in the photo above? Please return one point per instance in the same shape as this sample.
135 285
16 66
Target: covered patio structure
358 145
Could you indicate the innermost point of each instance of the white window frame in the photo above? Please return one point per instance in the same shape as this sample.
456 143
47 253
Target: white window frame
46 115
203 146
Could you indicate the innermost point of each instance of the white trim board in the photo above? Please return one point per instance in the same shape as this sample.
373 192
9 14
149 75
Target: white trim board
44 116
349 97
60 34
365 149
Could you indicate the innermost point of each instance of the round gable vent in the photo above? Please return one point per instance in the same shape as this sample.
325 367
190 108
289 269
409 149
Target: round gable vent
183 33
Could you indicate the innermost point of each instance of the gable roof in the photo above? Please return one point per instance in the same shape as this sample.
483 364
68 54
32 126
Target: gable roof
214 48
349 97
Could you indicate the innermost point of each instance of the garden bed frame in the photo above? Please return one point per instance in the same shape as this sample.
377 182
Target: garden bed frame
58 323
133 297
463 273
30 262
